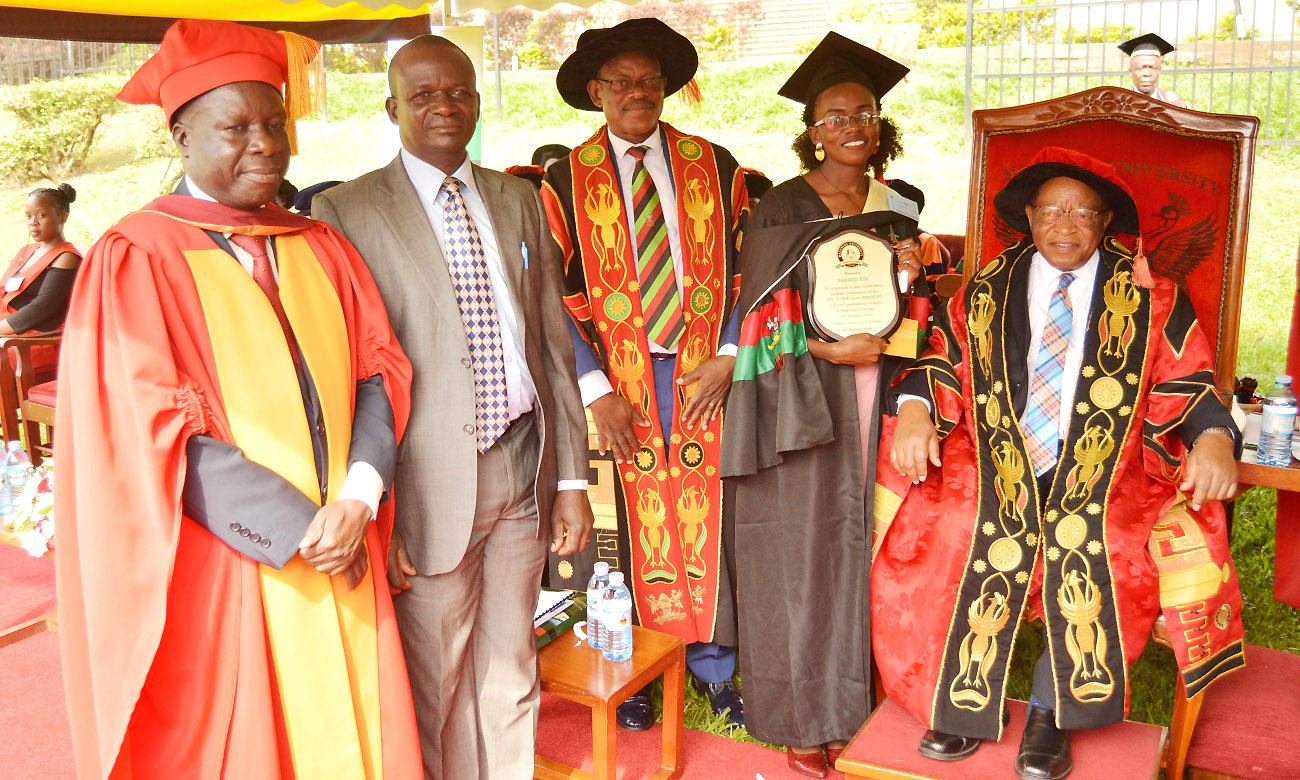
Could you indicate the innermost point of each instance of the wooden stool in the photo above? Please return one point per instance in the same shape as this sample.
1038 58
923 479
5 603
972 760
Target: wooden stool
885 749
576 672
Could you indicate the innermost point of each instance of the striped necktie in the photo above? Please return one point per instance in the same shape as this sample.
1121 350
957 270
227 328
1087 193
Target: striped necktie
1042 415
661 304
469 276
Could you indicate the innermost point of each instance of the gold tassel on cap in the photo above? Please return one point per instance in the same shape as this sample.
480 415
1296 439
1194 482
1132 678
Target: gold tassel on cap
306 83
691 94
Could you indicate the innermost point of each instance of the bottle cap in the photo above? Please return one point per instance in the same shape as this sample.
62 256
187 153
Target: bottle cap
1282 379
615 578
601 567
14 446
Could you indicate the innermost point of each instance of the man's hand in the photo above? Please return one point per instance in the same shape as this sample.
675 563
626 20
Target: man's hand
860 349
1211 470
399 564
334 535
614 416
915 441
714 376
571 522
356 571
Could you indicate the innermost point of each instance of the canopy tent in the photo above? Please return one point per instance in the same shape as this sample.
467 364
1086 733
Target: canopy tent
145 21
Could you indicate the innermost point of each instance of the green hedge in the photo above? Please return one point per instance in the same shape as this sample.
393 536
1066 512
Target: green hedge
56 125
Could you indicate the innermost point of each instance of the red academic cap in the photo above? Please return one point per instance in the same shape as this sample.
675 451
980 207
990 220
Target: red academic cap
199 55
1054 161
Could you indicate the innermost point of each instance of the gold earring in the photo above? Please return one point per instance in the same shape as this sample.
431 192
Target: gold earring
819 152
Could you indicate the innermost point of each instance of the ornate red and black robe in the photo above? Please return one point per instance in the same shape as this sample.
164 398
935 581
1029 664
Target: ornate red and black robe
662 514
964 555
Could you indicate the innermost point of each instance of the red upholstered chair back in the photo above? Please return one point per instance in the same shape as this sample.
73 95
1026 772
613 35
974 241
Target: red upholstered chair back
1190 173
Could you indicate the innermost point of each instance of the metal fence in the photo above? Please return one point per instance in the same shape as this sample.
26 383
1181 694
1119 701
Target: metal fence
1233 56
27 59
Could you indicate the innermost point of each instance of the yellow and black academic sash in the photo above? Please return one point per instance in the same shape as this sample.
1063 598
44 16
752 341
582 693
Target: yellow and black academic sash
1069 535
672 490
322 636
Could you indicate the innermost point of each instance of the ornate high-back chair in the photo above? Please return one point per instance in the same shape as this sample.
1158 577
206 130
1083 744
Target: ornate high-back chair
1190 173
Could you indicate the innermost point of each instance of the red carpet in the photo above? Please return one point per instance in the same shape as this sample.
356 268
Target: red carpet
564 735
1123 751
33 717
36 746
26 586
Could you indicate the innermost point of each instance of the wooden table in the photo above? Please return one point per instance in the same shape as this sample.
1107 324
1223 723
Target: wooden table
579 674
1286 558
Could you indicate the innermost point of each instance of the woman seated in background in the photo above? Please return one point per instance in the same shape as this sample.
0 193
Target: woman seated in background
39 280
804 468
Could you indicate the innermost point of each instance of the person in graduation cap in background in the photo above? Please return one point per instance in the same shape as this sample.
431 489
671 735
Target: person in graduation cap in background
648 220
230 397
807 420
1146 58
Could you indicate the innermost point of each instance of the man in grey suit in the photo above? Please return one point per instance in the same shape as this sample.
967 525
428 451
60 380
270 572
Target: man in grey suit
497 438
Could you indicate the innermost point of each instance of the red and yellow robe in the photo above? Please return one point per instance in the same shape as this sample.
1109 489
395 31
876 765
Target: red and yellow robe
181 657
669 500
960 557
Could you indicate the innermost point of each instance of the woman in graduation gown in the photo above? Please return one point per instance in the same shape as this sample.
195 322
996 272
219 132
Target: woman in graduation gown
802 429
38 281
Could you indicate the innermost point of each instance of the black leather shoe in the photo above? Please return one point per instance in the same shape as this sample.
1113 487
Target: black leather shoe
637 713
947 747
724 697
1044 749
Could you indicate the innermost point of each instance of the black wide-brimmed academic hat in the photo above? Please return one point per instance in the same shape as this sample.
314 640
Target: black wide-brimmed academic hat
677 58
1054 161
837 60
1146 43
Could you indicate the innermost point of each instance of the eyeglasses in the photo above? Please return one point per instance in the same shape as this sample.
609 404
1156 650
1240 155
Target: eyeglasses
841 121
1081 217
649 84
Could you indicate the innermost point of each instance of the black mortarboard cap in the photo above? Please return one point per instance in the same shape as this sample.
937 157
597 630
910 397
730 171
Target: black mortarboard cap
1150 40
837 60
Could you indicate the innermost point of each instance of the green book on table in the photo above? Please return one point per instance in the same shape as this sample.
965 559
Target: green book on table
560 623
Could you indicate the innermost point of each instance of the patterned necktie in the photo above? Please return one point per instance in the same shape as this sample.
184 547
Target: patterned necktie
265 279
661 304
1042 415
478 311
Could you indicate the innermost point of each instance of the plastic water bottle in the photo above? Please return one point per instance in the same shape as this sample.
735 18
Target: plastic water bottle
596 588
616 619
18 466
1277 425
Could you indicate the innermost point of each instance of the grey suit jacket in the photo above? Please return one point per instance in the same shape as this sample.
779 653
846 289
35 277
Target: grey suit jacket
435 485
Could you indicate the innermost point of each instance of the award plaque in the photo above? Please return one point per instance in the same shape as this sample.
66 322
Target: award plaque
853 287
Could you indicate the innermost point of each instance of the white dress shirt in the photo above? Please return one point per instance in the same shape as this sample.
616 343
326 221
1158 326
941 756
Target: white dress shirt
595 384
363 482
1043 280
521 392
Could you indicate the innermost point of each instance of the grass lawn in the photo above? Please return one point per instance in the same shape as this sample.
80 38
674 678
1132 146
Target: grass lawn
741 111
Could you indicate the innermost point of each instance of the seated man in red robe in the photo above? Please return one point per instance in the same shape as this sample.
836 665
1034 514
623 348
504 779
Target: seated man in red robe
230 397
1059 449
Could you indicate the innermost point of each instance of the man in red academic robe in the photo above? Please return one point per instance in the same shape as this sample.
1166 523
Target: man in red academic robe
1079 455
229 402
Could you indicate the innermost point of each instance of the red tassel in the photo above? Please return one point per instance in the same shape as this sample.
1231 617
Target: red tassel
1142 269
691 94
